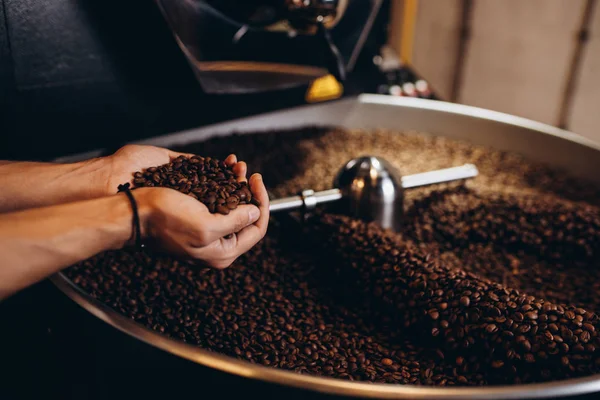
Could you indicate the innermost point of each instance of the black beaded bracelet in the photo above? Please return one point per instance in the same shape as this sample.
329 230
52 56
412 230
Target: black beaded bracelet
137 230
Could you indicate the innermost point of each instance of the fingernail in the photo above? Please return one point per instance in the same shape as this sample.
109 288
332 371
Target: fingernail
257 176
254 214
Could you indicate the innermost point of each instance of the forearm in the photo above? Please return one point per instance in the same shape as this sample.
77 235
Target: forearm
29 184
35 244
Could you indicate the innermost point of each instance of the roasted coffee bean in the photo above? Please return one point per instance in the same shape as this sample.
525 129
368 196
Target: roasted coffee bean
465 301
434 314
526 345
222 209
532 315
232 202
518 317
492 282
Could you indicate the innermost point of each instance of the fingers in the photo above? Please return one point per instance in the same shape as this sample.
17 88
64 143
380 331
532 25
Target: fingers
240 170
222 252
250 235
225 251
218 226
258 189
230 160
243 241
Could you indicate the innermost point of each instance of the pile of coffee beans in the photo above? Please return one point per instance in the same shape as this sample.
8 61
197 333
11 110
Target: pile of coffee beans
512 337
492 281
548 247
545 225
204 178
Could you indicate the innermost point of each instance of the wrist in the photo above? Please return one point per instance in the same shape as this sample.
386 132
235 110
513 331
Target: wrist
122 215
96 172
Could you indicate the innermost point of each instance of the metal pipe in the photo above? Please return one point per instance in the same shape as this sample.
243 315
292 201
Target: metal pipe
439 176
409 181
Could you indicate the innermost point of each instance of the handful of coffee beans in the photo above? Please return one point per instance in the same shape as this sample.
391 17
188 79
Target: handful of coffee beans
203 178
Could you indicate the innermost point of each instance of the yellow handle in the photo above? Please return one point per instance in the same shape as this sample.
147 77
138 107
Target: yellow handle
323 89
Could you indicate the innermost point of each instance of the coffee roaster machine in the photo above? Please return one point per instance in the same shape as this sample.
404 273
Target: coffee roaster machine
101 354
173 366
246 56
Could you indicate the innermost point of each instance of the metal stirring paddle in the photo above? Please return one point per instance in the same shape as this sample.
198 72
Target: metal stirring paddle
370 188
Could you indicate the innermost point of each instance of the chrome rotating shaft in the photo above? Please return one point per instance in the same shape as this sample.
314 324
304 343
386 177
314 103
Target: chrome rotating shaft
370 188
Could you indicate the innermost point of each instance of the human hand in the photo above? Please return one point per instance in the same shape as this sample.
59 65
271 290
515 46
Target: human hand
182 225
129 159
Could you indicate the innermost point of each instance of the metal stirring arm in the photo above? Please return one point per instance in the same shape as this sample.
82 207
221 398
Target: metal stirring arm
309 199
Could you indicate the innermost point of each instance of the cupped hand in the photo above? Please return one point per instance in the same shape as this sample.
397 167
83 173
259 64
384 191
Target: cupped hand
133 158
182 225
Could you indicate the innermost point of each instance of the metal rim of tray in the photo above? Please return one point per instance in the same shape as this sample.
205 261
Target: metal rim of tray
567 387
